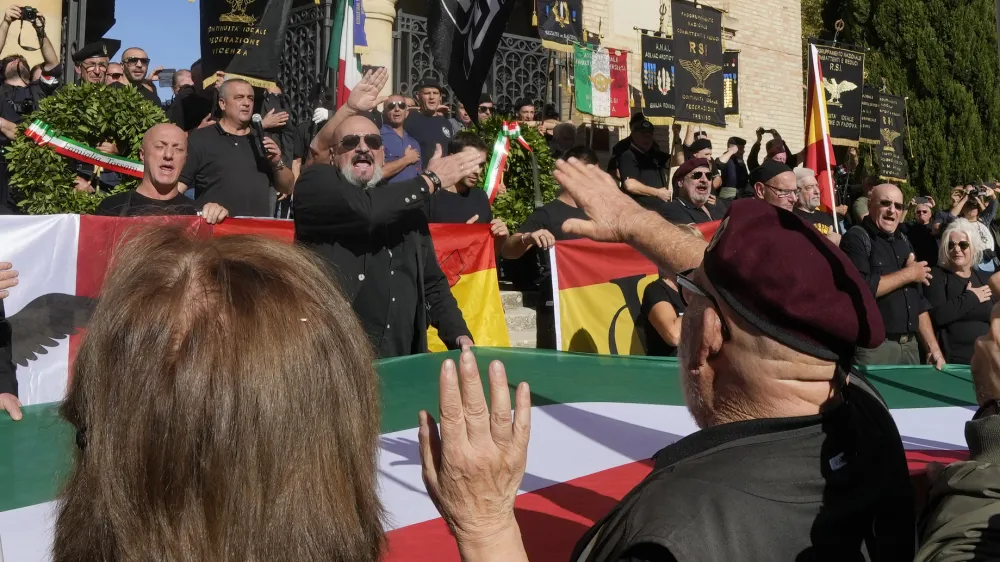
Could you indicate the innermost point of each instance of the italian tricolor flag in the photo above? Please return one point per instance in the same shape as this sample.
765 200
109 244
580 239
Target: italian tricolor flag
342 58
596 422
601 80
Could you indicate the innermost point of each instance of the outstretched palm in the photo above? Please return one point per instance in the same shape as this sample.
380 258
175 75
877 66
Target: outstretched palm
365 95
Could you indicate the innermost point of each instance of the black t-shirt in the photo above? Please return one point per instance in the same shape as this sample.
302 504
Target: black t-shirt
551 217
224 169
649 168
304 134
959 318
925 244
680 211
150 95
456 208
429 131
656 292
134 204
822 221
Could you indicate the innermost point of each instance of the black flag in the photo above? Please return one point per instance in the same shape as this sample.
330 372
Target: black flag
560 23
465 35
843 75
658 79
892 131
700 62
243 38
869 117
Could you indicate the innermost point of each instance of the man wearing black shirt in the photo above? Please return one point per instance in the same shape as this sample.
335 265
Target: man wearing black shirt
136 64
807 205
223 165
886 262
734 170
375 237
536 235
464 202
693 187
425 124
8 371
923 231
643 167
164 149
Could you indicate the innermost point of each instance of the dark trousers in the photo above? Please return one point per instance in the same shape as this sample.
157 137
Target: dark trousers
891 352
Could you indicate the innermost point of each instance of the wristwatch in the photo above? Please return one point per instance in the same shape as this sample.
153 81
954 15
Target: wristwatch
280 166
989 408
434 179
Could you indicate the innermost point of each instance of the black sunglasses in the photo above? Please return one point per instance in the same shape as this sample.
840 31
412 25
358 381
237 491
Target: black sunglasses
350 142
686 284
885 203
963 245
116 75
485 109
389 106
136 60
698 175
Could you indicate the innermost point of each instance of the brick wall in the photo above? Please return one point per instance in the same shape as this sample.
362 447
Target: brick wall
768 35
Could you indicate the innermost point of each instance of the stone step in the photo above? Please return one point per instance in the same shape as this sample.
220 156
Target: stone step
515 299
520 319
523 339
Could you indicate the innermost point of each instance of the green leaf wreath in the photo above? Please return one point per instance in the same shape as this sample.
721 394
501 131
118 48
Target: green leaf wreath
89 114
518 202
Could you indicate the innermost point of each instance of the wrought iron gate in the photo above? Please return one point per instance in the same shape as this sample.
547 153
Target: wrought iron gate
520 67
303 60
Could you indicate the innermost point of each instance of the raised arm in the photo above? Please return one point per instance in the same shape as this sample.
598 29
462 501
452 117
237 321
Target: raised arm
12 14
364 97
49 55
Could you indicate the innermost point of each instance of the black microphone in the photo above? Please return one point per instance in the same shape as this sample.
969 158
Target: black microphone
258 128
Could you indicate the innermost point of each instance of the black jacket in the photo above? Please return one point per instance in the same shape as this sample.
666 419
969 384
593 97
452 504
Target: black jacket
8 374
339 220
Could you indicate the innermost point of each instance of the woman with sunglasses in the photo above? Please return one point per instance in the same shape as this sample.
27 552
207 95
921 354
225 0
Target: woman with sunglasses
959 292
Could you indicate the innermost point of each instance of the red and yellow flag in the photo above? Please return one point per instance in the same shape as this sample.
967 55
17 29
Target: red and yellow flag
597 290
819 150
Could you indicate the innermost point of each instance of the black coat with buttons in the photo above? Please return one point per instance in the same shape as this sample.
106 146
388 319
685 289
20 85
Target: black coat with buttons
354 229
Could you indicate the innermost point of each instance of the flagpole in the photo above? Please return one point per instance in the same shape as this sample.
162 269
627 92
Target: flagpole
824 123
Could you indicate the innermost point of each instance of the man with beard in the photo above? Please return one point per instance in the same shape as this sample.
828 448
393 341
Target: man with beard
797 457
693 188
376 237
163 152
774 182
885 259
223 164
136 63
91 62
808 203
425 124
402 152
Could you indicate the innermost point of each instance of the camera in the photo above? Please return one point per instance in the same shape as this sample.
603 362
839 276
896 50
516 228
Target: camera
28 13
24 107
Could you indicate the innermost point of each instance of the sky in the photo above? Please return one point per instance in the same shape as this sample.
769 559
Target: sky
166 29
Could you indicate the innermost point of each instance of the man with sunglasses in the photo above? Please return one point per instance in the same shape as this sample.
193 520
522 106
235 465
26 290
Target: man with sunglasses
796 457
136 63
115 75
486 107
774 182
885 258
402 151
692 190
425 124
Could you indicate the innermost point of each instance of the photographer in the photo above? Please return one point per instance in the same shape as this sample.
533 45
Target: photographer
978 205
37 22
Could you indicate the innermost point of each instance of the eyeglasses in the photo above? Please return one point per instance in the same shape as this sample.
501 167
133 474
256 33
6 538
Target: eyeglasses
686 284
885 204
116 75
389 106
135 61
698 175
783 193
92 65
963 245
350 142
486 109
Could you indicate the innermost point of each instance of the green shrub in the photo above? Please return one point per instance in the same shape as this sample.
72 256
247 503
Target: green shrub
89 114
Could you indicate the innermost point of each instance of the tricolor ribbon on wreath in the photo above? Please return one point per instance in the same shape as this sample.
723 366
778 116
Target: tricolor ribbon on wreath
498 163
42 134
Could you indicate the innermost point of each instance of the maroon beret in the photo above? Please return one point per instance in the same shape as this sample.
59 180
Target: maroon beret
789 281
687 167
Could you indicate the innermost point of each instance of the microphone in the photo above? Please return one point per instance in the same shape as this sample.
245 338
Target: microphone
258 128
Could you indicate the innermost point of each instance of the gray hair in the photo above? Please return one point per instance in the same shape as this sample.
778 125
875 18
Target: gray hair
801 174
971 231
348 170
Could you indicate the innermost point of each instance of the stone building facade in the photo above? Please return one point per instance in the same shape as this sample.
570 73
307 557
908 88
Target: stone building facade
766 32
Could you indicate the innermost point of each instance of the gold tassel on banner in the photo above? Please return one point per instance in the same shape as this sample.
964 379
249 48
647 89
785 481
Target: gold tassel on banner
534 13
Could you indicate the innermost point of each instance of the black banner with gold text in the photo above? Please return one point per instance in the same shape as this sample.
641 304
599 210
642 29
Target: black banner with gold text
243 38
560 23
843 75
658 78
869 116
892 131
698 80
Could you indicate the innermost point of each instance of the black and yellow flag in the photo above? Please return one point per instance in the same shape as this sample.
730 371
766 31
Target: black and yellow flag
892 130
658 78
243 38
843 75
560 23
699 58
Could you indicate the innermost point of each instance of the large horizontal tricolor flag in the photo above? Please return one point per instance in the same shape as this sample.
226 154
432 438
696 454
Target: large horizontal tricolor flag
596 422
62 260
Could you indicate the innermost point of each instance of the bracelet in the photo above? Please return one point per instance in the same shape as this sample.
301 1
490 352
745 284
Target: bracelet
434 179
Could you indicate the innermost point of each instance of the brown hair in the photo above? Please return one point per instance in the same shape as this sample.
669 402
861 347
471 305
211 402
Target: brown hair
227 410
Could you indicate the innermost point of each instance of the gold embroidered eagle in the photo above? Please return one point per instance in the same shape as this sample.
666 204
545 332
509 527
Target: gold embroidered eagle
835 89
888 135
701 72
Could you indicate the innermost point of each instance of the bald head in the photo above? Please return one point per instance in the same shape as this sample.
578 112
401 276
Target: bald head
357 151
164 150
885 207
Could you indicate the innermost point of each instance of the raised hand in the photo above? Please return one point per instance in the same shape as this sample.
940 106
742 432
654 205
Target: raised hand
984 293
450 169
365 95
8 278
473 467
595 192
274 119
12 14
